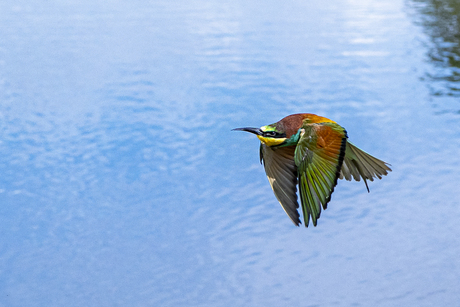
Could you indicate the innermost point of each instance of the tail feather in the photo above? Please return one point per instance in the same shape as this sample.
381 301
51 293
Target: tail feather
359 164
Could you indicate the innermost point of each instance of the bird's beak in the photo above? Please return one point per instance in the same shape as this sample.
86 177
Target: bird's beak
255 131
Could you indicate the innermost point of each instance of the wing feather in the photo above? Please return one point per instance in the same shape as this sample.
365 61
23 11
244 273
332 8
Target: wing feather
319 156
282 174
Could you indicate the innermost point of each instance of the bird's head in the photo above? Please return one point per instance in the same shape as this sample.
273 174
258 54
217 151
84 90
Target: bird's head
267 135
286 132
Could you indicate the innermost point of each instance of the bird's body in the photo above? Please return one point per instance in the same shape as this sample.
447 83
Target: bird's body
311 152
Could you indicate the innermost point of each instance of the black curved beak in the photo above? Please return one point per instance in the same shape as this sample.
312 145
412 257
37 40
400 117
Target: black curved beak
256 131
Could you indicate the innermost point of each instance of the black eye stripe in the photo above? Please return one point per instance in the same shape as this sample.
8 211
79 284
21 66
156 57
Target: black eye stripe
274 134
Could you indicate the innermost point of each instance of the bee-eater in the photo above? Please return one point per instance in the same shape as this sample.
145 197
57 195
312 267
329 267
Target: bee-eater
312 152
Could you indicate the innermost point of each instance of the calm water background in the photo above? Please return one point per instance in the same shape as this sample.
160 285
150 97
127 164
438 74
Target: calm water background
122 185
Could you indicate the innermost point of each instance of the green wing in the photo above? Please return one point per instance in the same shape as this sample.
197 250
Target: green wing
359 164
318 156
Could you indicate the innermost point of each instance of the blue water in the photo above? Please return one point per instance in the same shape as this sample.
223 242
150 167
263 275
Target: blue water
121 183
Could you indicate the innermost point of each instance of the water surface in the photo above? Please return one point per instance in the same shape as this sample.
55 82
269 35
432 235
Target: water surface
121 183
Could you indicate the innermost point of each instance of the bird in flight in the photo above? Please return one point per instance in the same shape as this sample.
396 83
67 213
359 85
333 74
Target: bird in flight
312 152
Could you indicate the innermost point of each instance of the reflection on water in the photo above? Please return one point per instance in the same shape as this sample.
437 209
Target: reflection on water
441 22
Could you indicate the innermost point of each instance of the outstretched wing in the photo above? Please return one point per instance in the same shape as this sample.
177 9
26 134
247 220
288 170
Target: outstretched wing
282 175
359 164
318 156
